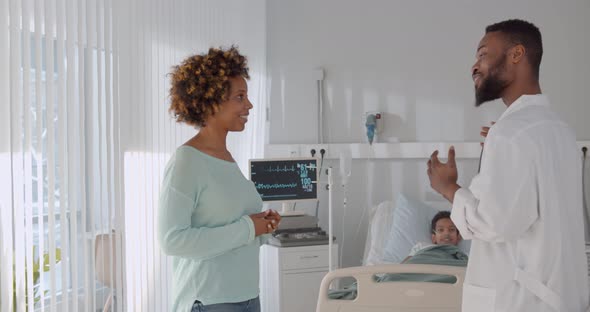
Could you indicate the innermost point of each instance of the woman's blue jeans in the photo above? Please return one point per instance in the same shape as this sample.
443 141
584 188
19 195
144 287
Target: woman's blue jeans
252 305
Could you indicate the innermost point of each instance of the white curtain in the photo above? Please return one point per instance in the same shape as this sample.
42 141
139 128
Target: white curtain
84 137
154 36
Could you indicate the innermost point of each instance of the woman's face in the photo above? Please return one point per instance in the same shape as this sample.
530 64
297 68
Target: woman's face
233 113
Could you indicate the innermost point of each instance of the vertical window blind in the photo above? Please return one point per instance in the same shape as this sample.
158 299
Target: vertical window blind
59 155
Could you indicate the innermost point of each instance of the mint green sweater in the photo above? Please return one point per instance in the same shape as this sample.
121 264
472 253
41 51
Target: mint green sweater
203 224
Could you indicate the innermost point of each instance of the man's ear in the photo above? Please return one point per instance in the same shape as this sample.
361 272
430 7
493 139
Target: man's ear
517 53
433 237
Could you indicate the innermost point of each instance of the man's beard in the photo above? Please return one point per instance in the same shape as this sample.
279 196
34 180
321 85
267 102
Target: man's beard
493 86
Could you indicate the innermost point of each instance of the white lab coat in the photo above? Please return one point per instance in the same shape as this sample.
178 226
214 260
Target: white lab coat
524 215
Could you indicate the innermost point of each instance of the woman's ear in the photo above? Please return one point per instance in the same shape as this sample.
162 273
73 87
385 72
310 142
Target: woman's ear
433 237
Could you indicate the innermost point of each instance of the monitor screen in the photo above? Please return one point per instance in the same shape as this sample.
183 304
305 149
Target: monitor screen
285 179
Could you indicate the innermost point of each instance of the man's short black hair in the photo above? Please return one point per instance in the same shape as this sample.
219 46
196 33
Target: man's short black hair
440 215
525 33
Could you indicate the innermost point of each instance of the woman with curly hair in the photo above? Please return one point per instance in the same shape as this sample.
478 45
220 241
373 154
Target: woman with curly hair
209 215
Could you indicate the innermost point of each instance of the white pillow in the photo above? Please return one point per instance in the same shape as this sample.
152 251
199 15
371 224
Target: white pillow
410 225
380 222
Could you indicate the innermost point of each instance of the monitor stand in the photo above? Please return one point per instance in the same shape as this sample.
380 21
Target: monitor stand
288 210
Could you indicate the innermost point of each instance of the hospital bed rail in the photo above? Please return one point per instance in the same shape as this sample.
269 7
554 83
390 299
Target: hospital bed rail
373 296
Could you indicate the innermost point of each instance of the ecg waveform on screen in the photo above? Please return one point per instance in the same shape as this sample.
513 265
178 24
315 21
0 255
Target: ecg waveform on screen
285 169
263 186
291 169
289 179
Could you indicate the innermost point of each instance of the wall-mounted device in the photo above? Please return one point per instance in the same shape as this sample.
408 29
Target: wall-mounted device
372 124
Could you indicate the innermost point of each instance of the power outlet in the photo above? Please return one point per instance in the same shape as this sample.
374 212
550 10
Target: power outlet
306 151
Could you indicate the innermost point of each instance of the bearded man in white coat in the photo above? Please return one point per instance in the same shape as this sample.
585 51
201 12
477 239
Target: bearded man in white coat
523 211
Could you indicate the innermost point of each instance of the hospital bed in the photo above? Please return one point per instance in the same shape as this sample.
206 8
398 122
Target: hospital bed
407 296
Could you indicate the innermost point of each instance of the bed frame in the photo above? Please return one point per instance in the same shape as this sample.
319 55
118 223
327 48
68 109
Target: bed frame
395 296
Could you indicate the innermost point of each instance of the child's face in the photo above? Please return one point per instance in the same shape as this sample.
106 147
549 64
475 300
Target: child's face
445 233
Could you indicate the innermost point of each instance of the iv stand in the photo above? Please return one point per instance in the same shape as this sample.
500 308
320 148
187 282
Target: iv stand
330 195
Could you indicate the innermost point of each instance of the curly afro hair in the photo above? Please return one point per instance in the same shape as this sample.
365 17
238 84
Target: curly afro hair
201 83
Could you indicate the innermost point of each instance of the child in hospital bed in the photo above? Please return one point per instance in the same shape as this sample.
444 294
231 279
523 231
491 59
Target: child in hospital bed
443 232
442 251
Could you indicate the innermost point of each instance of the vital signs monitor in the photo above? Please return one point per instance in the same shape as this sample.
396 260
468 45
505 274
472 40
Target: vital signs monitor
285 180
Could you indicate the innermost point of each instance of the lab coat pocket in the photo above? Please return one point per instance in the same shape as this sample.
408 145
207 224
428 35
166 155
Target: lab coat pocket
478 299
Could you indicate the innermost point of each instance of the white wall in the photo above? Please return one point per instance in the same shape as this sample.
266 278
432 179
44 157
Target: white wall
410 60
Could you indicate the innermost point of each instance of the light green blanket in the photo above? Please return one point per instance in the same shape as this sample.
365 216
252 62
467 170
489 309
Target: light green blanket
437 255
